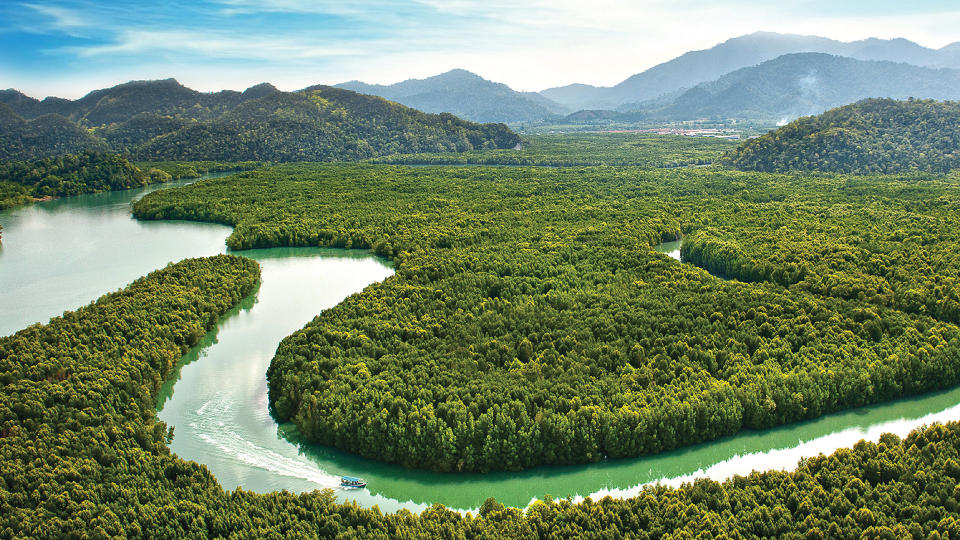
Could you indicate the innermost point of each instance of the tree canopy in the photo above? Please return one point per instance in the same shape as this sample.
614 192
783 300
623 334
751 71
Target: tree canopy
162 120
83 455
529 322
871 136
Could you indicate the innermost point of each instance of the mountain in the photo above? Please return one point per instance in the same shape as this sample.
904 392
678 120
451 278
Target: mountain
121 102
163 120
802 84
871 136
47 135
696 67
323 124
467 95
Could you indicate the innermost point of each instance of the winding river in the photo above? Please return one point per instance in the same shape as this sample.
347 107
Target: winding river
65 253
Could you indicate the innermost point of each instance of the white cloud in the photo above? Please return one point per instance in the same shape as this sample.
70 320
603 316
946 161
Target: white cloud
529 45
218 45
316 7
60 19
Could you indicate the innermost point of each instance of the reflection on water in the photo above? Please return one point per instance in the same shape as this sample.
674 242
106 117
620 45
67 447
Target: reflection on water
64 253
670 248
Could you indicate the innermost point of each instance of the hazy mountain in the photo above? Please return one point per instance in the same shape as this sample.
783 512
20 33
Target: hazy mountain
696 67
164 120
466 95
871 136
802 84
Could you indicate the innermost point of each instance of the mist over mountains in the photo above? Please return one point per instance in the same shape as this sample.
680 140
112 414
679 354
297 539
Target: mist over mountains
696 67
762 77
802 84
710 83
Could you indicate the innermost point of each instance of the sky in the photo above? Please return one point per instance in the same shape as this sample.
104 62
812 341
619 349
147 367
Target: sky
68 47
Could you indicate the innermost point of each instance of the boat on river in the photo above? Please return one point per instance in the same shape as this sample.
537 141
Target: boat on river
352 482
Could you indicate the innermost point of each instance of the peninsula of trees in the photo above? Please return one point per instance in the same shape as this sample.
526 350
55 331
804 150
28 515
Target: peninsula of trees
530 323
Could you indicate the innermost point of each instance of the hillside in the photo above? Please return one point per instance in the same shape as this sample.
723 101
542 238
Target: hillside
795 85
872 136
90 172
466 95
47 135
120 102
163 120
323 124
696 67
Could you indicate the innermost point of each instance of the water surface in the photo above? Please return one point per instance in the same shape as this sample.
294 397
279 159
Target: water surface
64 253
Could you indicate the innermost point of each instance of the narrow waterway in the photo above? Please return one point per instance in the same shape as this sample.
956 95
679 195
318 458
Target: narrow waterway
63 254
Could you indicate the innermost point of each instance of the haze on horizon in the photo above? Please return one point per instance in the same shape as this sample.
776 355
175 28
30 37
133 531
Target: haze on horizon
68 47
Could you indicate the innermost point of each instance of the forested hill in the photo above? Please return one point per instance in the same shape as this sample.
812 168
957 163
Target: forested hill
163 120
46 135
871 136
89 172
120 102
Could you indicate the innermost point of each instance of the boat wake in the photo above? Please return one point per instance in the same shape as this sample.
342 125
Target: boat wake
213 423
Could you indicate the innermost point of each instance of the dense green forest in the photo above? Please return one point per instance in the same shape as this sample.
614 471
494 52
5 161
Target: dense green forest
564 150
22 182
899 245
163 120
89 172
195 169
84 456
13 194
48 135
530 323
871 136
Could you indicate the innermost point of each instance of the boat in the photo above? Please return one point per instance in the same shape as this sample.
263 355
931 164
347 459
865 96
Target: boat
352 482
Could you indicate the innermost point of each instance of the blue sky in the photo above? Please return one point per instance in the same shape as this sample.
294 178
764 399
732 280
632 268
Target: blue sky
69 47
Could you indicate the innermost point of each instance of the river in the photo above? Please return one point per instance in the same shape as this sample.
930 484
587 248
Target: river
65 253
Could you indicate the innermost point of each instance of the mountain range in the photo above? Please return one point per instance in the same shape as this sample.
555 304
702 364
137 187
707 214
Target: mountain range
765 77
164 120
801 84
762 76
695 67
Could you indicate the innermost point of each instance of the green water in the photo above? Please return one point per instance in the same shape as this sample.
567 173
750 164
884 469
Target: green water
670 248
62 254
